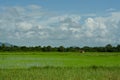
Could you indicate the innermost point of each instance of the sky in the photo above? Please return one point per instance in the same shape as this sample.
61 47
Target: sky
60 22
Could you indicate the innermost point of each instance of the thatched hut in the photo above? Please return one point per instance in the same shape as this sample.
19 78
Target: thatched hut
82 51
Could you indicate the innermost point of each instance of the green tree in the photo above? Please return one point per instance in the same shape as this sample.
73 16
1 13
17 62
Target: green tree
61 49
49 48
118 48
108 48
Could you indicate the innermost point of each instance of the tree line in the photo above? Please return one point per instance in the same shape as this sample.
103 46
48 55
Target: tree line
107 48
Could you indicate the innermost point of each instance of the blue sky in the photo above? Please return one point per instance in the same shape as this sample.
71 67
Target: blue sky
80 6
60 22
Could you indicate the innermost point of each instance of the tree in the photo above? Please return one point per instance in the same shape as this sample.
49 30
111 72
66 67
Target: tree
108 48
49 48
118 48
24 48
3 47
86 48
36 48
61 49
44 49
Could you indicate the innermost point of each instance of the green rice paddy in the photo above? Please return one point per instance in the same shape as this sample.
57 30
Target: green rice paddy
59 66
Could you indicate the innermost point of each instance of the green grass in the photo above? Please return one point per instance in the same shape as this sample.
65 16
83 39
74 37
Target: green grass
59 60
60 74
59 66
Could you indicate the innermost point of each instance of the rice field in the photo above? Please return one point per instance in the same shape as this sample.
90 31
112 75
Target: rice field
59 66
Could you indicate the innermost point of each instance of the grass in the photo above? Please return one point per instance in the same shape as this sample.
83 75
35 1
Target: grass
58 60
50 73
59 66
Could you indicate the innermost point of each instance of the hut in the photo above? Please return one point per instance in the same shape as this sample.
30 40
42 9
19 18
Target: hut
82 51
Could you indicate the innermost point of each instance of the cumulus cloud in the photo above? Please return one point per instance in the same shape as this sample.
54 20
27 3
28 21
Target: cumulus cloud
32 25
111 10
24 26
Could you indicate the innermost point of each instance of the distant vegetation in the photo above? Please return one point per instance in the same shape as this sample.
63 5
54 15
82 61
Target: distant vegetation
107 48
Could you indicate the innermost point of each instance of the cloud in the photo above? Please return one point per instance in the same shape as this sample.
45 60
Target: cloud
24 26
111 10
32 25
105 28
34 7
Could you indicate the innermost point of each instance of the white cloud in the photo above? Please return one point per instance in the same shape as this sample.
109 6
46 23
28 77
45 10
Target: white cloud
111 10
64 26
16 35
33 24
90 24
34 7
40 27
24 26
30 34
